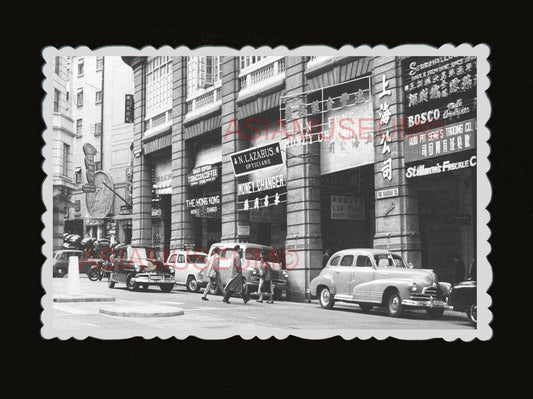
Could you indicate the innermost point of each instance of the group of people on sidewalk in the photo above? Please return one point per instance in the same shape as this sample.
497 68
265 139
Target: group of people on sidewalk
236 283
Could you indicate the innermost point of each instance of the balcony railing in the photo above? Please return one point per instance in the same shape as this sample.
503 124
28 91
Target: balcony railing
262 74
205 99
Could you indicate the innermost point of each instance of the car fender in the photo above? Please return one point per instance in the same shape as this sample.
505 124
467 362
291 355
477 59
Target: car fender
376 288
322 280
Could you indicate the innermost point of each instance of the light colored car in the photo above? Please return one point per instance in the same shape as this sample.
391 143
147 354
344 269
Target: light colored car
250 265
375 277
188 268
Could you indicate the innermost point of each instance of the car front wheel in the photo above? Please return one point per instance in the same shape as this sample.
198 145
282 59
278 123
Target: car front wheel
325 298
471 312
394 305
192 284
130 284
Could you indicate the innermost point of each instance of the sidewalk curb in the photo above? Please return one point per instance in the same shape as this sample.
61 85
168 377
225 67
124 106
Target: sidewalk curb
83 298
141 313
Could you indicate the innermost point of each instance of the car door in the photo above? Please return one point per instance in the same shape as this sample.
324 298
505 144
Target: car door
225 258
364 272
182 268
171 263
121 267
344 275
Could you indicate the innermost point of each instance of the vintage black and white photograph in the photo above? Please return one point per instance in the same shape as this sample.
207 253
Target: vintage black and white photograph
261 192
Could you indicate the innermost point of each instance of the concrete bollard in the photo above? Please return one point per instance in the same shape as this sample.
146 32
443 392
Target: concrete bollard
73 283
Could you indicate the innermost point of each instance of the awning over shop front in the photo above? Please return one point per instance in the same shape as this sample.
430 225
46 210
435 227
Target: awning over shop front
209 155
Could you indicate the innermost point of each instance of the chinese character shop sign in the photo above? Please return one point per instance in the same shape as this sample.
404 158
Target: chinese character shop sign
440 107
384 120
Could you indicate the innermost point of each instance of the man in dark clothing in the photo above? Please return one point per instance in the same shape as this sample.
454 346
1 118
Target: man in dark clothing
235 284
266 284
459 268
326 257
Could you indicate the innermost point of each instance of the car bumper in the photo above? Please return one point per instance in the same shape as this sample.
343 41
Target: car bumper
154 280
278 285
430 303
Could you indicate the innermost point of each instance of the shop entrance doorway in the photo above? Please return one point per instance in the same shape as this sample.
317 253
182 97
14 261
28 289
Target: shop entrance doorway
348 209
447 222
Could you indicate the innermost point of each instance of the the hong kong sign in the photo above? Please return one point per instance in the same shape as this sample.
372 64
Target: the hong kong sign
205 207
256 158
203 175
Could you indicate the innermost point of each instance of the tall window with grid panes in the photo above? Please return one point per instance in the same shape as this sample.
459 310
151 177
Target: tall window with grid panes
202 72
158 86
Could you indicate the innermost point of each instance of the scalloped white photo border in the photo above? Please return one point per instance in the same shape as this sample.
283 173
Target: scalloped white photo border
484 192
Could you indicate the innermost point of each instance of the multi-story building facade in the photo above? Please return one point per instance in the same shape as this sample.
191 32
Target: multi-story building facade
97 87
63 146
305 154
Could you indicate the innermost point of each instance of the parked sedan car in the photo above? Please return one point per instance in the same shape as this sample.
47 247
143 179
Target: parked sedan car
60 263
138 266
188 268
464 299
250 265
375 277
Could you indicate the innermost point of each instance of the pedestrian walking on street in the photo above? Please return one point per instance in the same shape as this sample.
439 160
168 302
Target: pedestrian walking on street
459 268
213 274
266 284
236 284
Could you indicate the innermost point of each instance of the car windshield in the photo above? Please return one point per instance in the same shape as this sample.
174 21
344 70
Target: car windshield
268 254
389 260
142 253
196 258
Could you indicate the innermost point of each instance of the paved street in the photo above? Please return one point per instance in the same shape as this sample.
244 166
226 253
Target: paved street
215 315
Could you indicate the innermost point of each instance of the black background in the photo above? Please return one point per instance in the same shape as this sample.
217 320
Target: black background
337 367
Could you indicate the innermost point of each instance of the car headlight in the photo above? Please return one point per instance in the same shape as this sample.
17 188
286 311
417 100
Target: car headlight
171 270
254 272
413 287
285 274
137 268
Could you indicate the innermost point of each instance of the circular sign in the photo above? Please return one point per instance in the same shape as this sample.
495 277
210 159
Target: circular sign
100 202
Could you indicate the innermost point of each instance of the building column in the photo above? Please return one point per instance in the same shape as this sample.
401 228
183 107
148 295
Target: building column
230 144
142 173
397 214
182 235
304 239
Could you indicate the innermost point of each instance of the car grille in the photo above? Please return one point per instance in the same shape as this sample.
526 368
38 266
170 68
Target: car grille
428 293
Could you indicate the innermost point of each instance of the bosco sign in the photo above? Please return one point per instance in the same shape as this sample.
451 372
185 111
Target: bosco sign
440 106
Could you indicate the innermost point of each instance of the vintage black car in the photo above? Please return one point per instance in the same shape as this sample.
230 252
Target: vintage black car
464 299
60 263
138 266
